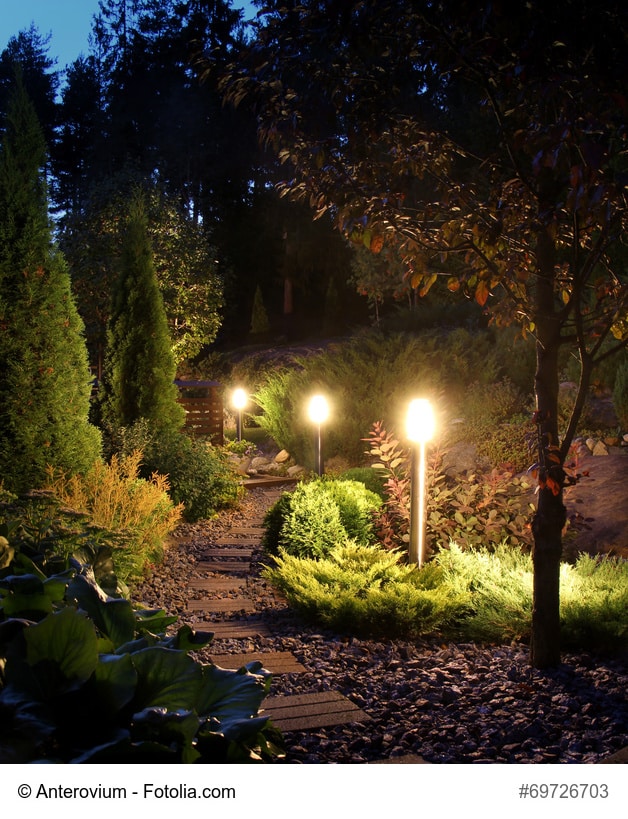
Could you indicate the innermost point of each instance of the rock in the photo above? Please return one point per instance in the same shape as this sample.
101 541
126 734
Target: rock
282 457
241 463
590 444
295 471
600 449
462 457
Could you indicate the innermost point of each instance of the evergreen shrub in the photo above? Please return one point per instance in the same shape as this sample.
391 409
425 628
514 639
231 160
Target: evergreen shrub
495 419
364 591
370 378
199 475
260 324
476 595
366 378
45 383
371 478
139 370
319 515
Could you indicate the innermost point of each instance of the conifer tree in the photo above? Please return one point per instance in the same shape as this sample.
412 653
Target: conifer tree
259 317
44 373
139 372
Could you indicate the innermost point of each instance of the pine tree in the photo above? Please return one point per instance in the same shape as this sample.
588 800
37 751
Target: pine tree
259 317
138 378
44 373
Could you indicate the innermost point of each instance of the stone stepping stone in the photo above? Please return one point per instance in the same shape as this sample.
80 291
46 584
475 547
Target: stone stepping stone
302 712
234 541
238 629
224 566
228 551
216 584
277 662
221 604
247 530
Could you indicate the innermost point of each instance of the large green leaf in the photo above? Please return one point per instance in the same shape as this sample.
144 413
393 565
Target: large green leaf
66 638
58 655
114 681
147 640
153 620
32 605
229 695
55 587
22 583
114 617
166 678
6 552
187 639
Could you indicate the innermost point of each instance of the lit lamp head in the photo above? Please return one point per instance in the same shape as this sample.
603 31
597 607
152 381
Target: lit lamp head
318 409
420 421
239 399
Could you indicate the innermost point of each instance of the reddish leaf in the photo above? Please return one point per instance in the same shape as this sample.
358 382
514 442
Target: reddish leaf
377 243
481 293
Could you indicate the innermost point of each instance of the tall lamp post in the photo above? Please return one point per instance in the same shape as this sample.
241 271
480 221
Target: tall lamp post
318 411
239 400
420 426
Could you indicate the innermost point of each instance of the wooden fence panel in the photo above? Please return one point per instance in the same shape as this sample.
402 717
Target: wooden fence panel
202 402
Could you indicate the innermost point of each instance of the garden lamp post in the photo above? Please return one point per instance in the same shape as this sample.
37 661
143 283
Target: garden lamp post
419 429
318 411
239 400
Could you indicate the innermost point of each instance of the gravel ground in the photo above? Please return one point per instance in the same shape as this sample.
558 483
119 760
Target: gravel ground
455 703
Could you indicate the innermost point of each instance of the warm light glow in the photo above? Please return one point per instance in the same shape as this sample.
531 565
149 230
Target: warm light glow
239 398
420 422
318 409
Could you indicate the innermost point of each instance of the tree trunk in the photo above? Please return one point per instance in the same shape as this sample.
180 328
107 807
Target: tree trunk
546 553
550 516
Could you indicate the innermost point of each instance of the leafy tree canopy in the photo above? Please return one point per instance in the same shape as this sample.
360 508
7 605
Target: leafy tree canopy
487 141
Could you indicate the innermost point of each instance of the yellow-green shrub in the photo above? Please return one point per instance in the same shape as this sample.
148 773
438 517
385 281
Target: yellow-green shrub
117 499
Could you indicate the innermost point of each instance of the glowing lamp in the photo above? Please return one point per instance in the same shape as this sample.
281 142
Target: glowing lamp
318 409
420 428
318 412
239 400
420 422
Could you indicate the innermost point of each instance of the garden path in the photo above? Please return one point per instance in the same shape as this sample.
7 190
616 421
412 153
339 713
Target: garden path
224 596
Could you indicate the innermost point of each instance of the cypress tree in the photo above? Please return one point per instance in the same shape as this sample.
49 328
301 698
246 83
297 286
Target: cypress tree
44 373
260 325
139 371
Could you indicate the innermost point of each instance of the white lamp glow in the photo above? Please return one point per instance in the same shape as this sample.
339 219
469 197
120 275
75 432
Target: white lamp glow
318 409
239 400
420 422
